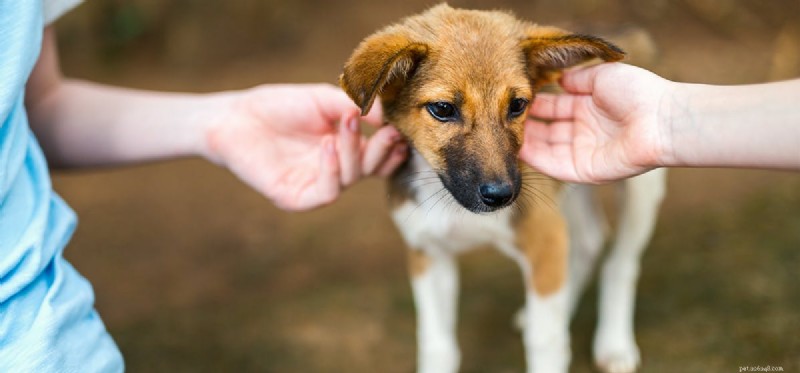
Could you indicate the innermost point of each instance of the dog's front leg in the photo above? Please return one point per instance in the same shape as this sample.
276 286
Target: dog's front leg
546 332
543 250
434 281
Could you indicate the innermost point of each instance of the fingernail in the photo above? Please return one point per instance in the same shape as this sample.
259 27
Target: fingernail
352 125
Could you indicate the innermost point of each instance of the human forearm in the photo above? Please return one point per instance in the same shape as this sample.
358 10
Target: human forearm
85 124
734 126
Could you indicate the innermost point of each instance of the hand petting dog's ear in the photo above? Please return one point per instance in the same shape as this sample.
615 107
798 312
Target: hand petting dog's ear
378 62
284 142
548 50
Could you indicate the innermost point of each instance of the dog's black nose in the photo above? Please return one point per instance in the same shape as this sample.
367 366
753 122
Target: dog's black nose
496 194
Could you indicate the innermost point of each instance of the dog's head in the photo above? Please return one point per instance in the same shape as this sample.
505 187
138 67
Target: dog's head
457 84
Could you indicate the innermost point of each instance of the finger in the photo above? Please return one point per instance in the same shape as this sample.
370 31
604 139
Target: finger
349 148
378 148
326 187
553 106
554 160
397 156
545 149
331 101
375 114
581 79
556 132
536 128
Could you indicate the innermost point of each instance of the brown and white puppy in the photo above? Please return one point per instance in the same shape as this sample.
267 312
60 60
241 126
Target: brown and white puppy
457 84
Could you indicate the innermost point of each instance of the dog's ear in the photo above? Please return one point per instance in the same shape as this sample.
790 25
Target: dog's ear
378 61
549 50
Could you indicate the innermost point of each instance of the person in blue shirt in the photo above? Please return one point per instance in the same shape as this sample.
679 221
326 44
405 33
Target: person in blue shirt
299 145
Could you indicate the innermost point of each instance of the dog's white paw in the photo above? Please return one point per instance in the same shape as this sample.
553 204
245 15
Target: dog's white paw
617 363
550 360
439 359
616 353
559 365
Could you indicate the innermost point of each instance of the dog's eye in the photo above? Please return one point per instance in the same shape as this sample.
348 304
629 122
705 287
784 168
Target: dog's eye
443 111
517 107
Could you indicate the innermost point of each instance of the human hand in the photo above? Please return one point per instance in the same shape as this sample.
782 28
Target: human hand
283 141
607 126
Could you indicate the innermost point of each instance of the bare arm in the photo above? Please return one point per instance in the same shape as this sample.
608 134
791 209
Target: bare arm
80 123
754 126
282 140
617 121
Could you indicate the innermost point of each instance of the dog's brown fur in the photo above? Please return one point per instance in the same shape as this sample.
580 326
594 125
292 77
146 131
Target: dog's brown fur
417 262
478 61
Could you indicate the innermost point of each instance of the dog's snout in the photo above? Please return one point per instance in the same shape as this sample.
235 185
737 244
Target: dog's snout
496 194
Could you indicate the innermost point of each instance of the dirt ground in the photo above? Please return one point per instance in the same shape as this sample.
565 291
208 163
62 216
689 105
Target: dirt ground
194 272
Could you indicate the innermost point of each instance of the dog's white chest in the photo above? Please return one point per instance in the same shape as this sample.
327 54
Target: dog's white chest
449 227
434 219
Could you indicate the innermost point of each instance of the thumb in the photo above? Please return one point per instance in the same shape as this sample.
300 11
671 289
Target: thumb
581 80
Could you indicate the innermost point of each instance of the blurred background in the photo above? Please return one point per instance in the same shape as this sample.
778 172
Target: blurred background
194 272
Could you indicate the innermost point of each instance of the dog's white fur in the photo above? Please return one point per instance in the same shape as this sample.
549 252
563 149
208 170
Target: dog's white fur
432 222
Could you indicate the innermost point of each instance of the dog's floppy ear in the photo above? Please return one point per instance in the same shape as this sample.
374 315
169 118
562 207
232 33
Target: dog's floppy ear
379 60
549 50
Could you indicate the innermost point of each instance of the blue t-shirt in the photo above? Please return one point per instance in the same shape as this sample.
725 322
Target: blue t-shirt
47 317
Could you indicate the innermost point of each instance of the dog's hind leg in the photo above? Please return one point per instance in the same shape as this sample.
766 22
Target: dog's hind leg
587 232
434 281
615 349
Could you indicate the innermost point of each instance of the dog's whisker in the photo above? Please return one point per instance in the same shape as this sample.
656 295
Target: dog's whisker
433 195
517 207
422 203
418 177
529 203
426 173
422 183
535 177
540 181
435 203
423 172
452 206
539 196
521 203
537 173
536 182
429 179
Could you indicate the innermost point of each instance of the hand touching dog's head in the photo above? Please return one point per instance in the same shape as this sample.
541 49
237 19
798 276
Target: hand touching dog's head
457 83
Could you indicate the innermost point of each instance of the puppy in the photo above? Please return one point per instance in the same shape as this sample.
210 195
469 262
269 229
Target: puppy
457 84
